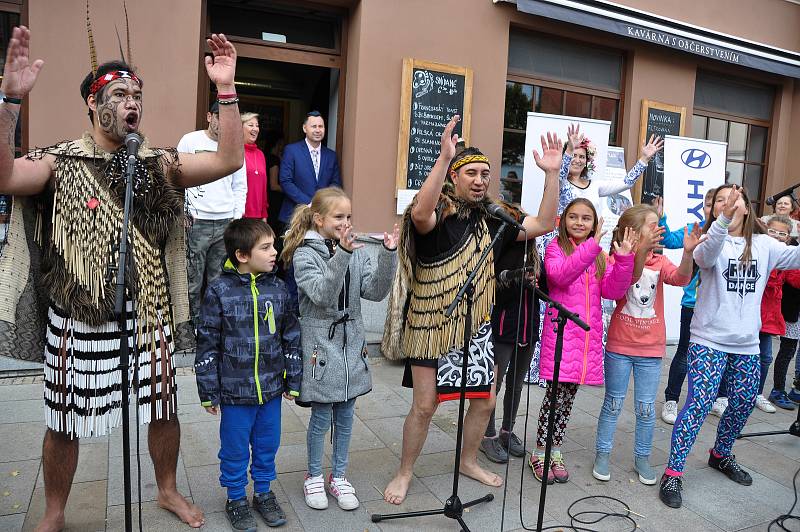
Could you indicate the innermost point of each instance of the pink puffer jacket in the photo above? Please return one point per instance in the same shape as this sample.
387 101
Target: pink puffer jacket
572 282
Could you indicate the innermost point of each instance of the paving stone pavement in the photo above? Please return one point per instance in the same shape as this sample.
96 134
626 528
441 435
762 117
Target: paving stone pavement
711 502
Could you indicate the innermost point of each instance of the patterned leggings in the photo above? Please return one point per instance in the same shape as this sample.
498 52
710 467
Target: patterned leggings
706 367
565 396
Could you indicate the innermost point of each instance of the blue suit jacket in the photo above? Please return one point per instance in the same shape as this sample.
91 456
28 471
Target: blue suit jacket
297 176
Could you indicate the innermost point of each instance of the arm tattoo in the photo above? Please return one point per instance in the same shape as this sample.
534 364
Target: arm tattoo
8 123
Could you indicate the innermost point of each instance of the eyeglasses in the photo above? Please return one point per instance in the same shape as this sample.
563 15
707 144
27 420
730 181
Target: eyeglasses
774 232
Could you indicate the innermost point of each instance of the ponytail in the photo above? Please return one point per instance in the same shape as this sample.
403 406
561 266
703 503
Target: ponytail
302 222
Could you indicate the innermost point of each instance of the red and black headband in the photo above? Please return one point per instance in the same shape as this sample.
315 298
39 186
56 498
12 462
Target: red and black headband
108 77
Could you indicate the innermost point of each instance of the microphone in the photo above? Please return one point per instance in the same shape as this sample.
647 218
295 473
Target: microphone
498 212
507 276
775 197
132 143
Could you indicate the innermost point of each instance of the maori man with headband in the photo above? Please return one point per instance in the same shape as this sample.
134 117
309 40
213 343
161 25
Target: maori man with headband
77 187
444 231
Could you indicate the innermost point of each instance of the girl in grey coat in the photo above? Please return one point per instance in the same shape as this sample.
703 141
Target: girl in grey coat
333 273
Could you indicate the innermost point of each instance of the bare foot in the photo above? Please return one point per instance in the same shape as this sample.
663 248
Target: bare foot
395 492
186 511
51 524
476 472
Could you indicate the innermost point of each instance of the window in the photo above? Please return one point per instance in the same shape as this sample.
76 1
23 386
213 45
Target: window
554 76
737 112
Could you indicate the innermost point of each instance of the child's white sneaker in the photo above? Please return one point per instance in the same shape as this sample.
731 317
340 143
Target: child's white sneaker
763 404
343 492
314 491
719 406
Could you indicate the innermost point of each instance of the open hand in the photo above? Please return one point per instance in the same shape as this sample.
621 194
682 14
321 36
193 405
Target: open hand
650 240
598 232
449 139
652 147
574 137
550 159
692 238
390 240
658 203
348 241
19 74
628 243
221 64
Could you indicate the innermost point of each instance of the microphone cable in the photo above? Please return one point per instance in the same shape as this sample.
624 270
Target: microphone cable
577 518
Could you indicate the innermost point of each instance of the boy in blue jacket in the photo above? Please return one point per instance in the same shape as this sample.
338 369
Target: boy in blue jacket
248 355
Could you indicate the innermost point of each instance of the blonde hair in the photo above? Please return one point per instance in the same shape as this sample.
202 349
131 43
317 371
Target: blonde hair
634 218
248 116
303 219
566 243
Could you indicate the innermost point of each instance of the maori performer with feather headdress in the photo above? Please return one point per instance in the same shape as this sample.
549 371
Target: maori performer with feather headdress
444 232
54 284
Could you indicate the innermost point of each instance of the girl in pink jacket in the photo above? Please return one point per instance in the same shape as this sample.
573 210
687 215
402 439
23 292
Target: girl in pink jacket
578 275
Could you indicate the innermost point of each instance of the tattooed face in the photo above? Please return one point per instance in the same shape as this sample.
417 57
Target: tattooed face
119 108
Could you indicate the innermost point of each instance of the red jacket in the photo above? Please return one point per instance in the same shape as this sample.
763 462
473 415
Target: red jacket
772 321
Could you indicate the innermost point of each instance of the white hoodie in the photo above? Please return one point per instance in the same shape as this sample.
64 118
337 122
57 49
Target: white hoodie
727 315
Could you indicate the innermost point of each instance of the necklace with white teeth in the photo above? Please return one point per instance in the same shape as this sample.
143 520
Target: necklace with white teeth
115 173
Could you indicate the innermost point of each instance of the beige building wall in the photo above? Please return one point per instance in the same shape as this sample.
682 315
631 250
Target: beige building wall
165 46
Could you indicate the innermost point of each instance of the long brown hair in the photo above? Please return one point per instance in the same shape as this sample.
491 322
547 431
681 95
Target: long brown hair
303 219
749 225
634 218
565 241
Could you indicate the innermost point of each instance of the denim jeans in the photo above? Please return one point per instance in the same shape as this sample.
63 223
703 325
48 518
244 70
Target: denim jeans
646 372
765 351
205 254
318 425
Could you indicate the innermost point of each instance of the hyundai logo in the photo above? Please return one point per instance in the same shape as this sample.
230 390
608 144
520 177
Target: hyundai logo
695 158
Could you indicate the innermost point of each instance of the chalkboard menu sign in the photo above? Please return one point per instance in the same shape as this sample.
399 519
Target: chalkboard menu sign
658 119
431 94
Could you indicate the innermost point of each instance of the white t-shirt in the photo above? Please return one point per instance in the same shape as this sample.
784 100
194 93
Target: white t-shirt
220 199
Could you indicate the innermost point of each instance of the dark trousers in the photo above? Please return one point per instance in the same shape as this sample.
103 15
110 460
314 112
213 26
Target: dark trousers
517 369
677 368
782 360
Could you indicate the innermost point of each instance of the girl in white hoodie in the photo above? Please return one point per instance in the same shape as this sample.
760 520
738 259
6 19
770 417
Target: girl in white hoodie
735 261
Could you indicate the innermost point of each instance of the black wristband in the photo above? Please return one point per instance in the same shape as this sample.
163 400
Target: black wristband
9 99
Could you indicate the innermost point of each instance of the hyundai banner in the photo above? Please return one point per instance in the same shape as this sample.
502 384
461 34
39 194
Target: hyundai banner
691 167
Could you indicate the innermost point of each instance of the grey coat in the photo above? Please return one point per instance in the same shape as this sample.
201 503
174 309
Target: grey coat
330 289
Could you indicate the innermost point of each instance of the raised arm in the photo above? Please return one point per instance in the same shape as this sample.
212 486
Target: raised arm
422 213
649 151
707 251
201 168
549 162
19 176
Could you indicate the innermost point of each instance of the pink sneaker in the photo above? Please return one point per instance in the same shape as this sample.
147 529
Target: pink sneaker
558 469
537 466
343 492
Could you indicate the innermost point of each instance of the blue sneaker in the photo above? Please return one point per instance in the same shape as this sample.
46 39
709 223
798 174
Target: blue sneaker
794 395
781 399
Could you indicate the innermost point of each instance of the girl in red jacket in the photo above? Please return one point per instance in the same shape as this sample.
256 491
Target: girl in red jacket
778 227
578 275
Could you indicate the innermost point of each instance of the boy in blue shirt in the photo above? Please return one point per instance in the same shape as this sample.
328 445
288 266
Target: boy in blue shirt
248 355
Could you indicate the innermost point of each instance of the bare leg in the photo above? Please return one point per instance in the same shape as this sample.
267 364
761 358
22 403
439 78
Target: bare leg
59 460
474 427
415 430
163 439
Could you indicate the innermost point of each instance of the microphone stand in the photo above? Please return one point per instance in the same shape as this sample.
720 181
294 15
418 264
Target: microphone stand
121 313
453 507
560 320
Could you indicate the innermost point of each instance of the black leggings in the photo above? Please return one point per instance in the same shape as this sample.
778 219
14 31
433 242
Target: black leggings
503 355
782 360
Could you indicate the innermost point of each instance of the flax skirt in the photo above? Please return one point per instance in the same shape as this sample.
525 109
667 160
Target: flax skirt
83 382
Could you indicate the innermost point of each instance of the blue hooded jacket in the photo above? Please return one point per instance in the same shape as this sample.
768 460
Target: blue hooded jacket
248 340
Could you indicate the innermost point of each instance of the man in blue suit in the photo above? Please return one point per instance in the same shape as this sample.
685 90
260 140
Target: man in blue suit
306 167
